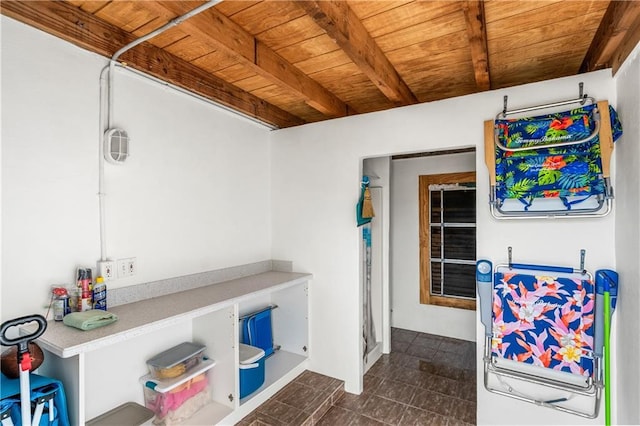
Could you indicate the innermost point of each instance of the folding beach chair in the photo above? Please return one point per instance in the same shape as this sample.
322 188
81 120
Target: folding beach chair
554 165
544 335
30 399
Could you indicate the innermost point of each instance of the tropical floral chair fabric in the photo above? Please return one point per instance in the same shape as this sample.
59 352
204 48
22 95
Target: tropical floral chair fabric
570 173
545 321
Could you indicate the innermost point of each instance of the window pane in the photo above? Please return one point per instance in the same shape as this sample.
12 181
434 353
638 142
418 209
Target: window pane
460 280
436 203
436 275
460 243
460 206
436 237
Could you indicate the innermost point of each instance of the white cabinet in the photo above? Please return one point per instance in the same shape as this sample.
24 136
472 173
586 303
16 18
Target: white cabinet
100 368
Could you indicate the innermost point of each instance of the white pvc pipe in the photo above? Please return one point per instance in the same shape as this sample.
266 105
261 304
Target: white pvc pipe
172 23
101 194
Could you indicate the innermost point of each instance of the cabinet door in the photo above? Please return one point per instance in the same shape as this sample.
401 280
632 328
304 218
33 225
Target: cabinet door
219 333
291 319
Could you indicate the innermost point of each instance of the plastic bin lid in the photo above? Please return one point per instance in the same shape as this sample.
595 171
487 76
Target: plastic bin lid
176 355
165 385
128 413
250 354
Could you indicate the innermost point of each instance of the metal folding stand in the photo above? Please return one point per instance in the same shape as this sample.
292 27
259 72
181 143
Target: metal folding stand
257 329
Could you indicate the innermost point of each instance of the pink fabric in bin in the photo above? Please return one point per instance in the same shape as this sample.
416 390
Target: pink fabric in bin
173 399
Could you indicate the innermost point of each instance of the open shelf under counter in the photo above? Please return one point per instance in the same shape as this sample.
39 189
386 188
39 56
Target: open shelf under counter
277 367
211 414
280 368
138 318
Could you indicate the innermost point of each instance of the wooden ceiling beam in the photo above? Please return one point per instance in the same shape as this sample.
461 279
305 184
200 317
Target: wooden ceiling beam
477 34
631 40
72 24
213 28
343 26
617 20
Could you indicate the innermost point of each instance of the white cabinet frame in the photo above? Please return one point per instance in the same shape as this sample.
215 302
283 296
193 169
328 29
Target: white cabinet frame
209 315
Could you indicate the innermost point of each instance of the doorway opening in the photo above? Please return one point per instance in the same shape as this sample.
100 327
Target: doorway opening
398 267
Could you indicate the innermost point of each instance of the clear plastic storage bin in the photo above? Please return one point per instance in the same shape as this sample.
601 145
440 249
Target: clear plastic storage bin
176 399
176 361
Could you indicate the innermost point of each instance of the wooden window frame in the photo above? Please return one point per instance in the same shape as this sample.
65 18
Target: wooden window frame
424 207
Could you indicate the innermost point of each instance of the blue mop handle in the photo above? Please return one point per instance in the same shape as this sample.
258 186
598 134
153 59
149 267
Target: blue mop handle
484 269
606 280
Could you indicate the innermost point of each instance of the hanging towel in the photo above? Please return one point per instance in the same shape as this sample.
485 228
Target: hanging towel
365 197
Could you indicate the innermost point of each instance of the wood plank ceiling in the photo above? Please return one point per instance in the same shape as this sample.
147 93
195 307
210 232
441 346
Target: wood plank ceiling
293 62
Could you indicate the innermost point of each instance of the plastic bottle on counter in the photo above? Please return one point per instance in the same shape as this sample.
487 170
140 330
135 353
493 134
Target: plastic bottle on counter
100 294
84 290
89 279
60 302
74 295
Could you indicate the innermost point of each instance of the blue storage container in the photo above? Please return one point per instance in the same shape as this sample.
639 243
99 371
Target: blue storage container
251 369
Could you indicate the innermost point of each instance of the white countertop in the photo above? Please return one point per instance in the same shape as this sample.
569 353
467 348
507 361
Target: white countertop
148 315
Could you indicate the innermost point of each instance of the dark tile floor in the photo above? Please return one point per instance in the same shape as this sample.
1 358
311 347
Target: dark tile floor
302 402
425 380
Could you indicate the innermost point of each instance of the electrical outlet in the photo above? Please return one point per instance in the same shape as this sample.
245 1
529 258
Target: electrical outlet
107 269
127 267
121 265
132 266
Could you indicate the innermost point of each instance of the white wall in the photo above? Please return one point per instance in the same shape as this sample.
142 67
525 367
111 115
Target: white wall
316 174
408 312
194 195
627 317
